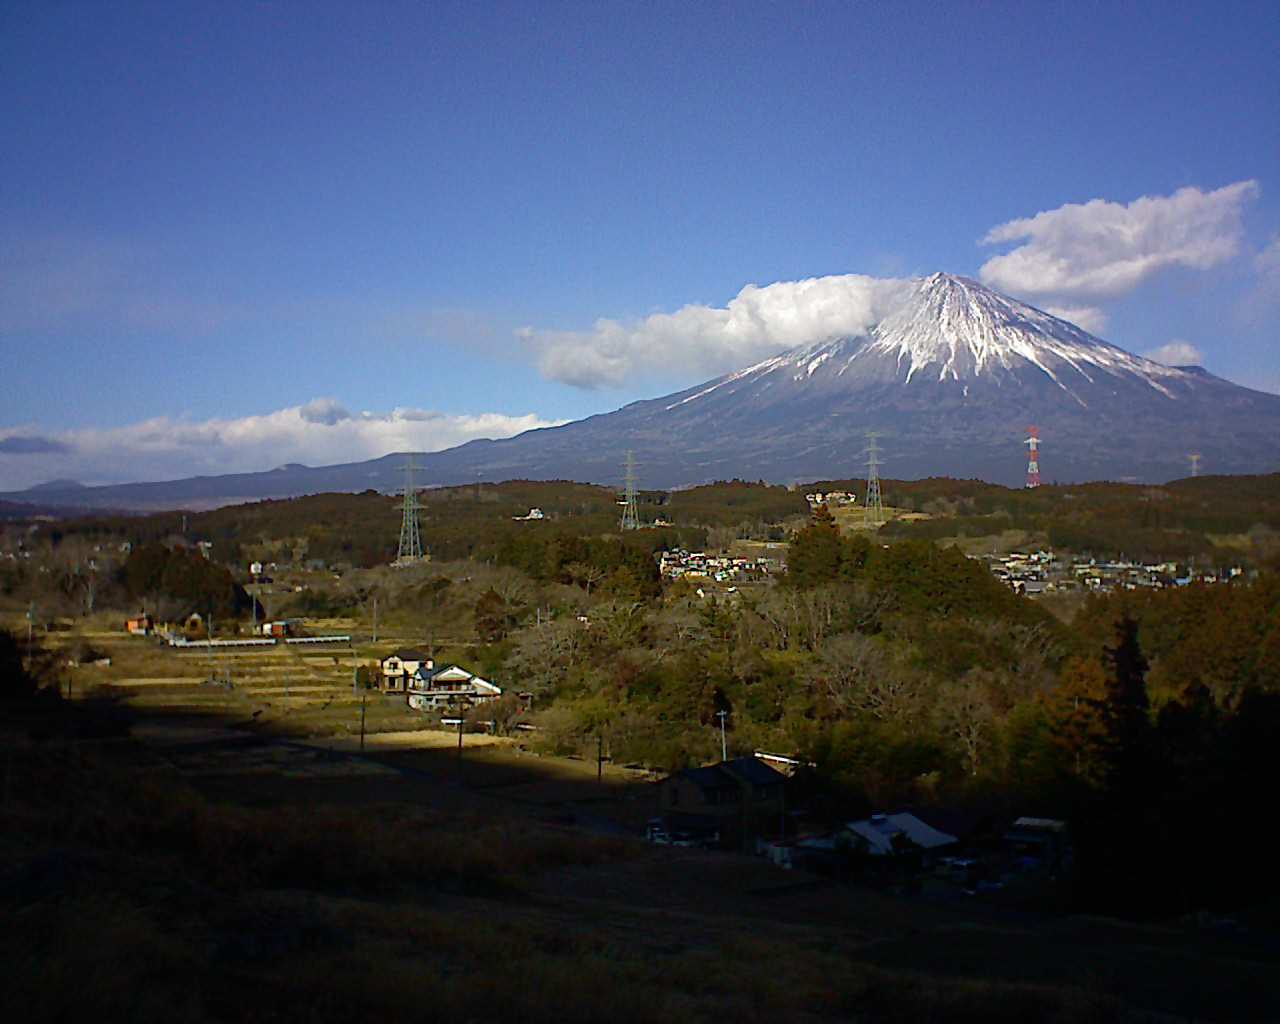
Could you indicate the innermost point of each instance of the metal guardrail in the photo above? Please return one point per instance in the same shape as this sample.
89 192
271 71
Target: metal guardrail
182 641
265 641
317 639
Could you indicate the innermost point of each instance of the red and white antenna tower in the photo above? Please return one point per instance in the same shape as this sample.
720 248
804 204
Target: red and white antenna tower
1033 456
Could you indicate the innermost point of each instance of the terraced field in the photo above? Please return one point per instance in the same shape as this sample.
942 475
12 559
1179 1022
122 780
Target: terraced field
302 692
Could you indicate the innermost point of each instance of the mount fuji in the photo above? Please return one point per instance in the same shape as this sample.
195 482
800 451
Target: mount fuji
950 376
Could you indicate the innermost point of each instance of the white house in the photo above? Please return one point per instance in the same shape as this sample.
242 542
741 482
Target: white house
449 687
878 832
398 668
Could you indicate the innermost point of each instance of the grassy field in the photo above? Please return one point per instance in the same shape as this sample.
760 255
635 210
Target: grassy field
853 517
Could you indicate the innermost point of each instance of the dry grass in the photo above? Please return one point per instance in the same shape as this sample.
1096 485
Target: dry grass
126 893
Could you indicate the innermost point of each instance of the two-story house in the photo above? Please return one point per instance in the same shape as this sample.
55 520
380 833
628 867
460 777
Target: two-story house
398 668
450 687
737 799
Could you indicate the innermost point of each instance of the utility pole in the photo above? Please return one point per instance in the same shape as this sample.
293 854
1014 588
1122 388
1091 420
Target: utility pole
724 746
599 757
375 618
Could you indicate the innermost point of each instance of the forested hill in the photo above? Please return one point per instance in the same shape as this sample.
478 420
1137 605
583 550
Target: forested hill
456 522
1236 517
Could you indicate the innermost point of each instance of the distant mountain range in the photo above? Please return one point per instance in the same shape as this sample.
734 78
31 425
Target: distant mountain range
951 377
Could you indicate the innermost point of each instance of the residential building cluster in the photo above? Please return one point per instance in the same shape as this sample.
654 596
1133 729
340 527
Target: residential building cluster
698 565
1043 572
831 498
742 804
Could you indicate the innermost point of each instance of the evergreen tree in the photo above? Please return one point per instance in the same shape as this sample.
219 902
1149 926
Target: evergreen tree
815 553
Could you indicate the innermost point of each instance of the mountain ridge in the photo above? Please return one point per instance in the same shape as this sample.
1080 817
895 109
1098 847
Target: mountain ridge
951 375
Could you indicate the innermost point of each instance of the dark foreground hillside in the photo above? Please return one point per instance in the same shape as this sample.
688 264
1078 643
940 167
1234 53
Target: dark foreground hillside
128 893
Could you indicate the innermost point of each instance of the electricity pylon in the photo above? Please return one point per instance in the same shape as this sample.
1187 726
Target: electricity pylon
630 508
873 510
1033 456
410 550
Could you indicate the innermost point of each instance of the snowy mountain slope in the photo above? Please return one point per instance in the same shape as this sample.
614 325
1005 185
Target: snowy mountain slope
950 328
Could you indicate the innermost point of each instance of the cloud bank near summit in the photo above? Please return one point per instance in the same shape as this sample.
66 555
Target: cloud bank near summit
758 322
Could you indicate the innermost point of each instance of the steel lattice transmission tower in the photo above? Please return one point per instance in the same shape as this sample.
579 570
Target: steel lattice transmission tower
1033 456
630 508
873 509
410 550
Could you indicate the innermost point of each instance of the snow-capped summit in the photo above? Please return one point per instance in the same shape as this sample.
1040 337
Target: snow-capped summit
947 328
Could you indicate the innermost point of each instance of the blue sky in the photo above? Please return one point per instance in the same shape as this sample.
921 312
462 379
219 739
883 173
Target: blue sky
234 235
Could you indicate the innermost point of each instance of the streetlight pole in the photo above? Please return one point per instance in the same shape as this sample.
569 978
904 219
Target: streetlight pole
724 747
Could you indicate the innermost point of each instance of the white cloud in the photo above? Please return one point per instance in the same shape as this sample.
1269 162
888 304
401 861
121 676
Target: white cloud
1103 250
1267 262
1176 353
326 411
1091 318
758 322
321 432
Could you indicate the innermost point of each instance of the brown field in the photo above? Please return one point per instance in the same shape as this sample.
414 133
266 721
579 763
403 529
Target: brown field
850 517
